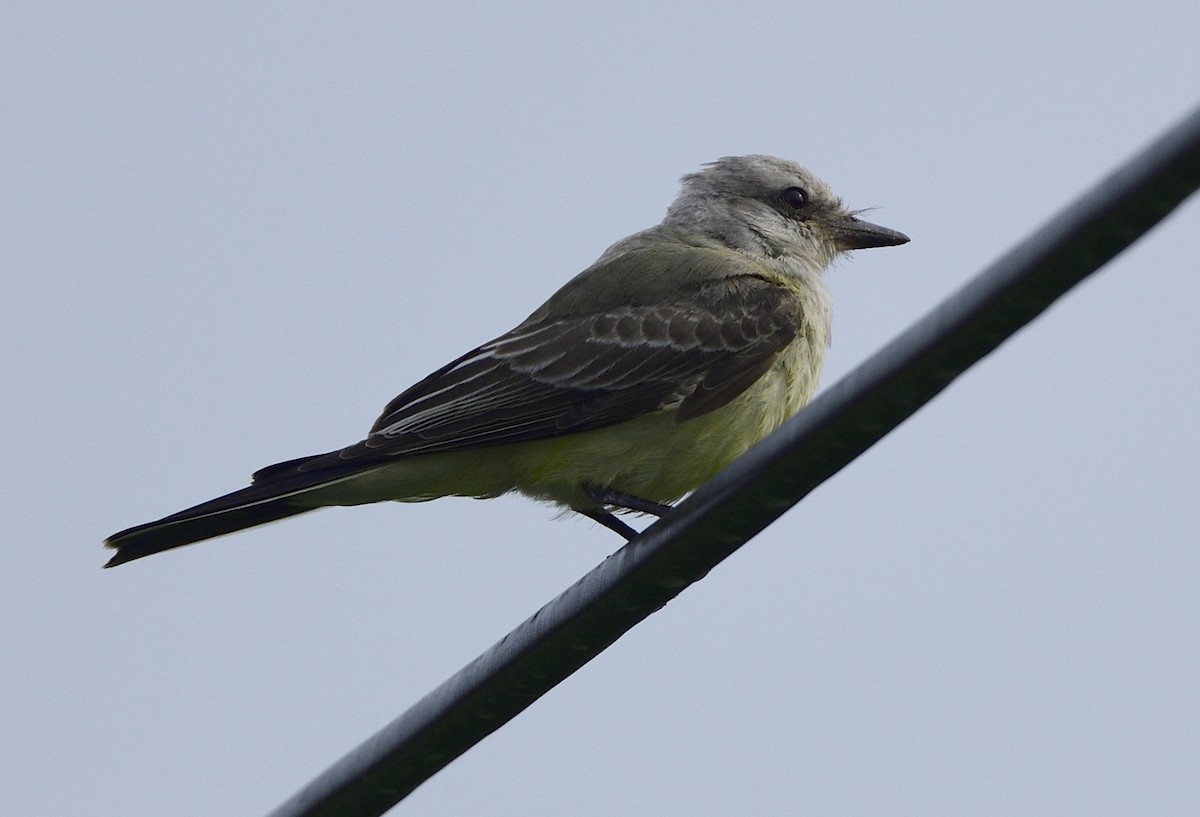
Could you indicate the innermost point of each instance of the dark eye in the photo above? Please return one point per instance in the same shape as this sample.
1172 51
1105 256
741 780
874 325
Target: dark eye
795 198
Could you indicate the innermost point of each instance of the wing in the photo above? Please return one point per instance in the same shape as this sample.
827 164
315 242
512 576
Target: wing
555 376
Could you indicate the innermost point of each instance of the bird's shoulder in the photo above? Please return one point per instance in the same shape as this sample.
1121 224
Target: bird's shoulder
657 266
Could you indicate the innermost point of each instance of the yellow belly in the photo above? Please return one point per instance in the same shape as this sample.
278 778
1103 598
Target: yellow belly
651 457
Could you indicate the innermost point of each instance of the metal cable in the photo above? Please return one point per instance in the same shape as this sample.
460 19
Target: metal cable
720 517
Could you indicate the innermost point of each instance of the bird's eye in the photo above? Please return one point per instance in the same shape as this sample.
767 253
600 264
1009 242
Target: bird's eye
795 198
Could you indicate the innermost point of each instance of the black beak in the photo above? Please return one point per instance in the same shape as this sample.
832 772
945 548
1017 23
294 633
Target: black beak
850 233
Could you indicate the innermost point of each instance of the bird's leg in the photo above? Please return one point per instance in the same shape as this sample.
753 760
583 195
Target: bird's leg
611 522
619 499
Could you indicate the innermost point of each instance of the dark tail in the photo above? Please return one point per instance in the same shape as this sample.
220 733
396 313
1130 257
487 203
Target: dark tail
225 514
276 497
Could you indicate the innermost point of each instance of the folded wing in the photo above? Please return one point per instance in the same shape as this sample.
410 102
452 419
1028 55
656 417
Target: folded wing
559 376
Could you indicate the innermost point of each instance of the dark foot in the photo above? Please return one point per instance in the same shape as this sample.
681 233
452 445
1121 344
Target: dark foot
611 522
618 499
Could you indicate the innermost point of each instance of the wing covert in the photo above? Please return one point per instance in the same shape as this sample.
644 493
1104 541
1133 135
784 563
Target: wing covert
564 375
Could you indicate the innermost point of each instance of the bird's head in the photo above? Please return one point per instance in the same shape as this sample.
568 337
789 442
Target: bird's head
764 206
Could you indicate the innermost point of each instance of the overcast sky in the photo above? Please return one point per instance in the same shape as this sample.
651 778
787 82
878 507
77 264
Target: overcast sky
232 232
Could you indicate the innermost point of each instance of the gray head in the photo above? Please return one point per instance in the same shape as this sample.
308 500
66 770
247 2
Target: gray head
762 205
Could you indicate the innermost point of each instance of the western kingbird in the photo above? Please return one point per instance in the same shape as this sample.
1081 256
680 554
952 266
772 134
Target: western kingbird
676 351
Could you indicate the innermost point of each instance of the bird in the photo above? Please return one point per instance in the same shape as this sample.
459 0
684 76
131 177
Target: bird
641 378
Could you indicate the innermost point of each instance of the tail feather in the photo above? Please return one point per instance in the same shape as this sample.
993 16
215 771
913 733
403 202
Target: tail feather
172 532
256 505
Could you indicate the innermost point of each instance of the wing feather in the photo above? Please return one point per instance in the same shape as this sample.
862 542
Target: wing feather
564 375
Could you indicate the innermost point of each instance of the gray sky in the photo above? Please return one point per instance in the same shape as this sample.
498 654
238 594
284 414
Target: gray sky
233 233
